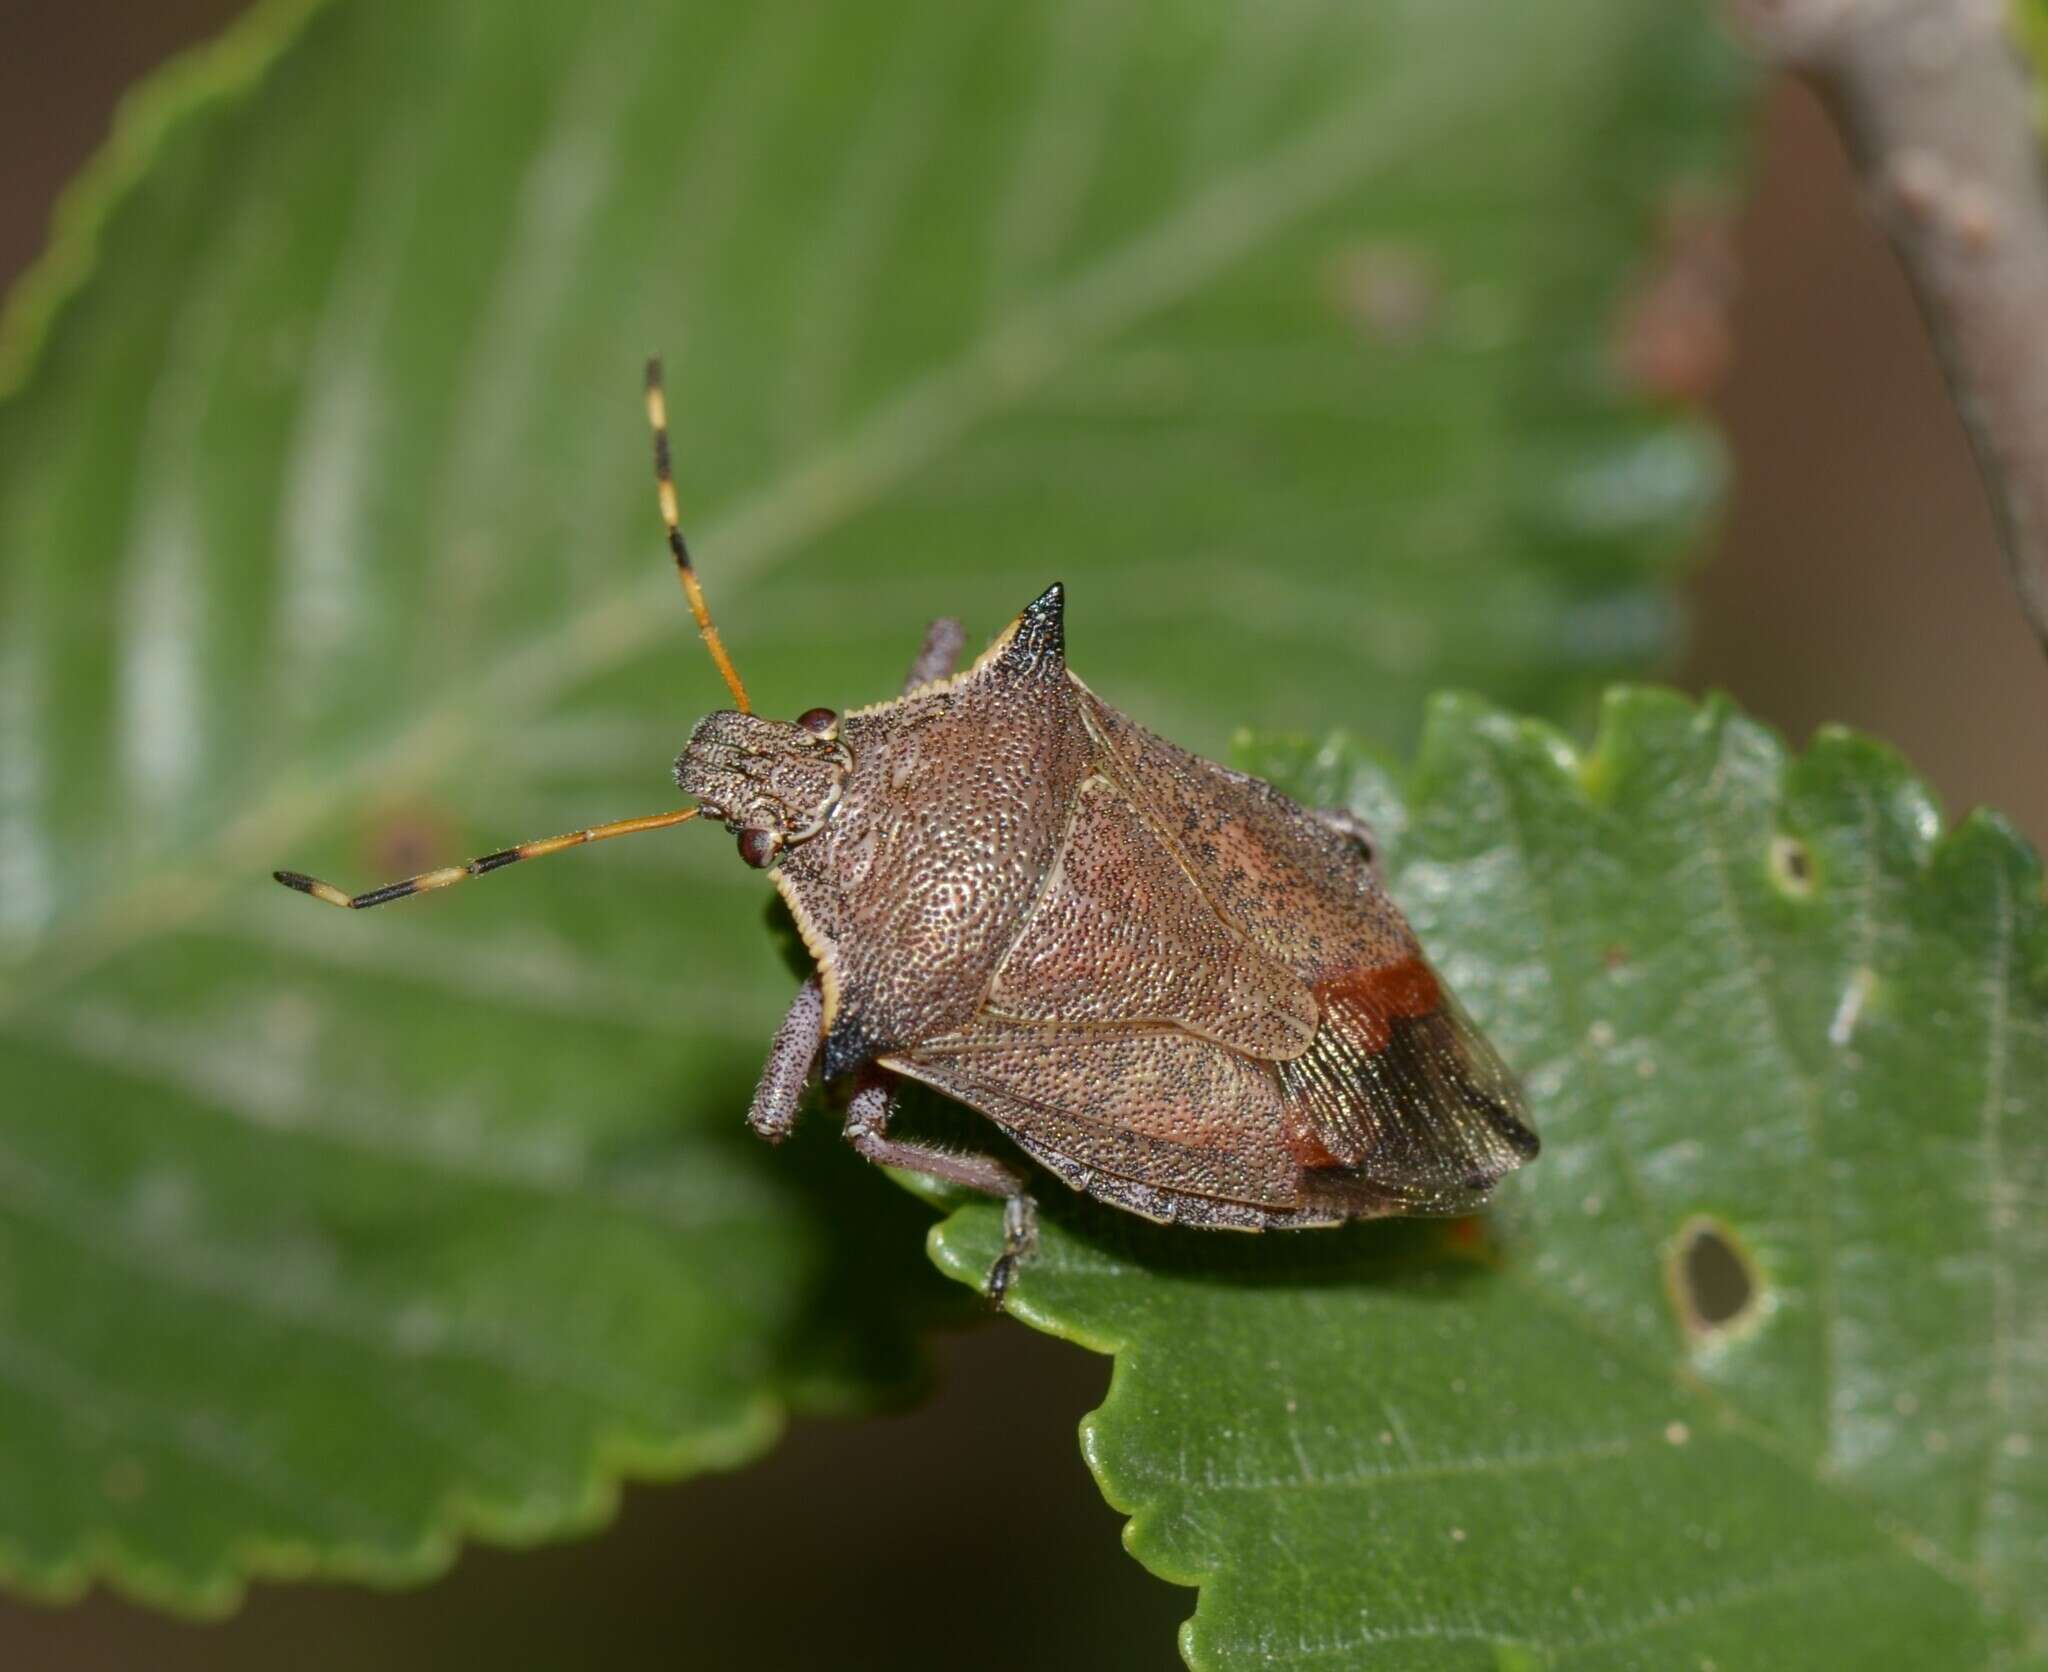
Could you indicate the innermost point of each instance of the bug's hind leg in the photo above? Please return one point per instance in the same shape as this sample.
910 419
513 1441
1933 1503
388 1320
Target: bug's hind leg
938 655
867 1129
788 1068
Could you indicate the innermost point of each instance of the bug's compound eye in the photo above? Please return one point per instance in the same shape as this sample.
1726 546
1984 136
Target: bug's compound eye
819 722
757 847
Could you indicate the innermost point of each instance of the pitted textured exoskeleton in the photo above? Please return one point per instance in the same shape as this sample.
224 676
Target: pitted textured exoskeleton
1169 984
793 1055
1165 981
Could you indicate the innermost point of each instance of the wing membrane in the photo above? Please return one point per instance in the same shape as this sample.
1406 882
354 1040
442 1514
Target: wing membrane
1402 1090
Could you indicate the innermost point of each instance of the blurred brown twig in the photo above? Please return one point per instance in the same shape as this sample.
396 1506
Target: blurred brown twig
1935 105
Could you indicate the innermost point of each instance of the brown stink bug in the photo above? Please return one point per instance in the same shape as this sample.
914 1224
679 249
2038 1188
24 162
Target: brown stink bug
1166 982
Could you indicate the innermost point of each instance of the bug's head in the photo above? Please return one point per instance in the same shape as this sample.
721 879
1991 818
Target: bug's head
769 781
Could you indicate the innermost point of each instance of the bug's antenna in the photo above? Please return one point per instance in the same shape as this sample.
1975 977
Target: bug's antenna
671 517
453 874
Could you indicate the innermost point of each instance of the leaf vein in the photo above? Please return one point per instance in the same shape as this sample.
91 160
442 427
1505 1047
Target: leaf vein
1481 1465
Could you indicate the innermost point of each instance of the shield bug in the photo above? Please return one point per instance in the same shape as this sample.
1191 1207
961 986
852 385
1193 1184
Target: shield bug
1169 984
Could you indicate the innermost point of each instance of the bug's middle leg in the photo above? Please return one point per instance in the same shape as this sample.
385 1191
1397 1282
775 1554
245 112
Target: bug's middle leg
867 1129
937 656
788 1068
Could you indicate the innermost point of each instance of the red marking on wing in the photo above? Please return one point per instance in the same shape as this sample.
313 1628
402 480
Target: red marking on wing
1373 998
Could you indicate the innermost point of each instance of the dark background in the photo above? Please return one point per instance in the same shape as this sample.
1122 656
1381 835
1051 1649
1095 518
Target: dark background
1856 579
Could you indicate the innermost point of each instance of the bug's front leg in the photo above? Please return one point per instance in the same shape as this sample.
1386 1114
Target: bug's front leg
937 656
867 1129
788 1068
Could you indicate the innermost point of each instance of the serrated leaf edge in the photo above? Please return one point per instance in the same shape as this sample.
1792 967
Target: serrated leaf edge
463 1517
184 89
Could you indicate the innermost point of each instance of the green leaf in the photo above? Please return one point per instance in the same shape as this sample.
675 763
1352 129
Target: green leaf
2030 24
2030 33
1758 1000
1281 332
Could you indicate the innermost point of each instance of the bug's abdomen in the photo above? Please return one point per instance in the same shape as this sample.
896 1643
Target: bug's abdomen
1160 1123
1160 1108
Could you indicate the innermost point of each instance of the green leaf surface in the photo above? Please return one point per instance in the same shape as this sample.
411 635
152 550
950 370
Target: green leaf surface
1757 996
1283 333
2030 24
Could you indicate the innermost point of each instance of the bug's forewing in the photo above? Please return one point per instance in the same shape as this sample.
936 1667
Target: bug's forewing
1120 934
1398 1089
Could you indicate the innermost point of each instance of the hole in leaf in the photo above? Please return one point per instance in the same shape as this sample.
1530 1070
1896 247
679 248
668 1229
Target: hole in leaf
1712 1277
1792 866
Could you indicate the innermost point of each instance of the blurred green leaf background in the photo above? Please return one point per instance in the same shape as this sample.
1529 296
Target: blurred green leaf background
1315 347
